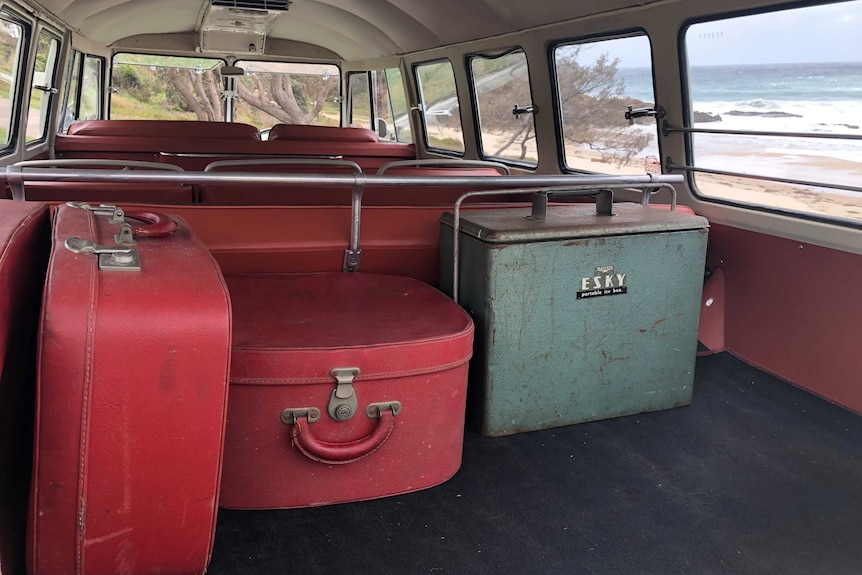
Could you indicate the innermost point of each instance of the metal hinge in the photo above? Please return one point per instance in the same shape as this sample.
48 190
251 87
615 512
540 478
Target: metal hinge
120 257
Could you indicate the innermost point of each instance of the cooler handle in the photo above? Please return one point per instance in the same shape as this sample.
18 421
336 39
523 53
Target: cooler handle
341 453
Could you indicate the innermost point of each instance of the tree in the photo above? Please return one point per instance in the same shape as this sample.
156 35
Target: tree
288 100
593 107
592 104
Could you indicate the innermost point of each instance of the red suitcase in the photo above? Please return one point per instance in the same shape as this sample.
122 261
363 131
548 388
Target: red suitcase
25 236
344 387
131 400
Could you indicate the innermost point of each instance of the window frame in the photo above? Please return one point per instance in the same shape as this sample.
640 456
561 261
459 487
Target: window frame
555 89
51 91
16 89
688 122
474 102
418 85
370 102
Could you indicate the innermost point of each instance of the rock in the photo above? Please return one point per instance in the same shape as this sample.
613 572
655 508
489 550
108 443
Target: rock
704 117
763 114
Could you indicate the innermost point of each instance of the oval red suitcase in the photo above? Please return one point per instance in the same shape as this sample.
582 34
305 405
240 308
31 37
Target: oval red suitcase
344 387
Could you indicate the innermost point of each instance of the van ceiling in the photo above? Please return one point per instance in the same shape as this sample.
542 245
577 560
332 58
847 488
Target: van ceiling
352 29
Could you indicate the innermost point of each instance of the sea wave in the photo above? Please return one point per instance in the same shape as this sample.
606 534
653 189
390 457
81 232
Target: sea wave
843 116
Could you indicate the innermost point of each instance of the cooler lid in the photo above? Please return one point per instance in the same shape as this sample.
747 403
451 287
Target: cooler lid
510 225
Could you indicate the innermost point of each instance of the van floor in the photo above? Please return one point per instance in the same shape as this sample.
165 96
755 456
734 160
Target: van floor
756 476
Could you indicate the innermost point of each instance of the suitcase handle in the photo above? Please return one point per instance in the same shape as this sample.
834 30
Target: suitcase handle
155 224
341 453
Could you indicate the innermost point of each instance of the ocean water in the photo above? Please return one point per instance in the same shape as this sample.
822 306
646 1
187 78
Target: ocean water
819 98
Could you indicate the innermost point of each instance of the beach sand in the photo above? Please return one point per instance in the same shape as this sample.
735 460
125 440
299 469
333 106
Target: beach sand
804 199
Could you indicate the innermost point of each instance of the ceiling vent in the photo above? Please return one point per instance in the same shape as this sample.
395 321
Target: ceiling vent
254 4
239 26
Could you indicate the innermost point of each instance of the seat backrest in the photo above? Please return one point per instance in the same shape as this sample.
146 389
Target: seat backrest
304 133
164 129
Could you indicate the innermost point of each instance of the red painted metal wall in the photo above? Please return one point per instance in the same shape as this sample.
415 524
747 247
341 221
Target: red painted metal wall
793 309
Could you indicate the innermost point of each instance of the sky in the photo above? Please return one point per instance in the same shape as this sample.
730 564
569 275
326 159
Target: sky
830 33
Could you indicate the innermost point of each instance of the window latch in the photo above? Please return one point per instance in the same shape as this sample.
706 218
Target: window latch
654 112
48 89
518 110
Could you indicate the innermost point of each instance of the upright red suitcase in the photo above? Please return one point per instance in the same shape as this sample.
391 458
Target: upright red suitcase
25 235
133 369
344 386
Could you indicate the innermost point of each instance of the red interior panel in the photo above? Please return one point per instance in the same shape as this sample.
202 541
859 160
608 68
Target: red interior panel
793 309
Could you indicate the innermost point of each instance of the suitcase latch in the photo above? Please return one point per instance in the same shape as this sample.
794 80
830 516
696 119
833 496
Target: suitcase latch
342 403
117 257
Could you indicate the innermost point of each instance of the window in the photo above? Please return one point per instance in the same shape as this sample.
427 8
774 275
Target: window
440 111
11 42
288 93
378 102
73 84
596 81
83 100
397 98
771 77
43 90
360 100
501 85
150 87
90 104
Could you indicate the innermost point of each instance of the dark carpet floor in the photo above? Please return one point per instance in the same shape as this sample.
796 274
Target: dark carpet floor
755 477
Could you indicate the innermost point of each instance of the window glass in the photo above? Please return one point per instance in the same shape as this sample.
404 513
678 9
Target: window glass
11 36
43 89
596 82
150 87
398 102
792 72
360 100
73 82
440 111
288 93
501 85
91 89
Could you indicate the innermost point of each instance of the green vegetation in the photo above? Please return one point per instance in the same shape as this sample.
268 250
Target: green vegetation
191 89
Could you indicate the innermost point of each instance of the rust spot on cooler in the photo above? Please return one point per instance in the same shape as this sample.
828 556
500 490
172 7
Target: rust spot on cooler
572 243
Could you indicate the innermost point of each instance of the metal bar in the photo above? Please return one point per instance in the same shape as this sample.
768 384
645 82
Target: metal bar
667 128
647 188
69 175
672 166
79 162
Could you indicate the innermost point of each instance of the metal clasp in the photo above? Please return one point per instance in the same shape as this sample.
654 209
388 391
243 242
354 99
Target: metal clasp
291 414
117 214
111 258
342 403
374 410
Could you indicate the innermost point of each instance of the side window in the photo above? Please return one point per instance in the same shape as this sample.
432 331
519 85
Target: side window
43 90
90 107
398 103
440 113
12 35
360 100
775 110
501 85
596 81
73 83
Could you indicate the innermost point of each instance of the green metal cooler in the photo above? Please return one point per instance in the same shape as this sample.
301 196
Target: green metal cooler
579 316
